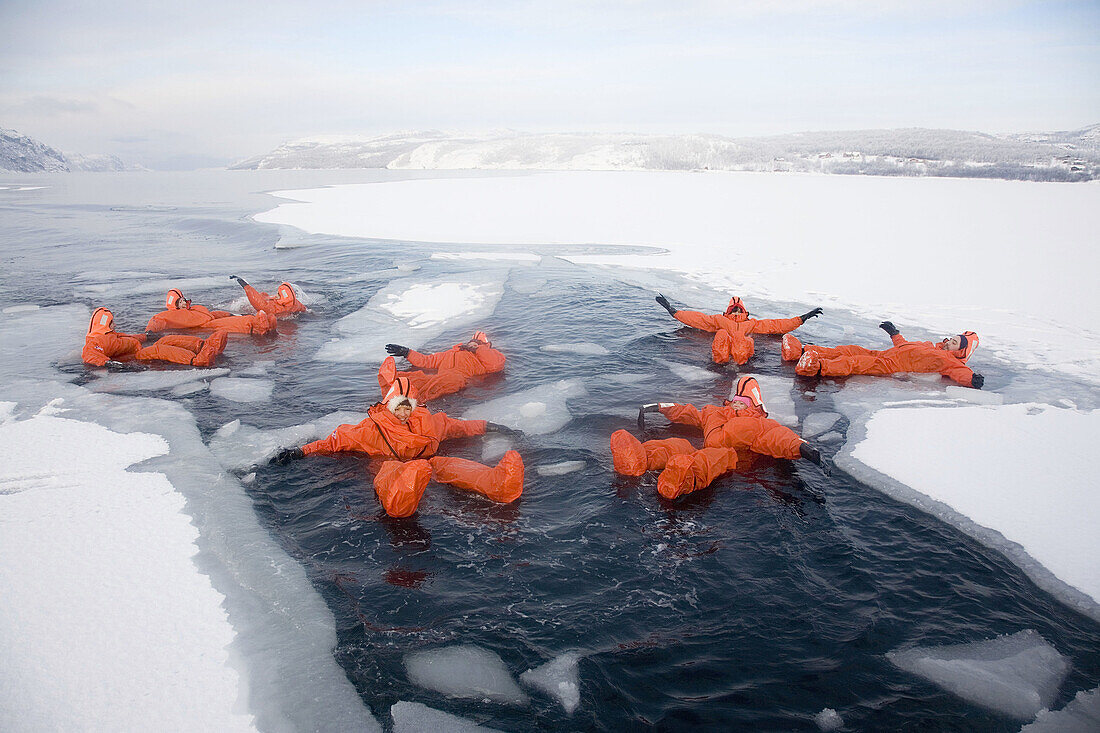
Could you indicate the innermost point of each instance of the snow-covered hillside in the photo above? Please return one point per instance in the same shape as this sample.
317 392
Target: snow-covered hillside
1057 156
23 154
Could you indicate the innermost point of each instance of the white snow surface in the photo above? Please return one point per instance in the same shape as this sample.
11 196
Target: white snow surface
152 629
1016 675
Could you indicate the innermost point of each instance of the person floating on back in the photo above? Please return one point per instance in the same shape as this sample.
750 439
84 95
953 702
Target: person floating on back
444 372
284 303
739 426
181 313
104 345
732 329
406 435
948 357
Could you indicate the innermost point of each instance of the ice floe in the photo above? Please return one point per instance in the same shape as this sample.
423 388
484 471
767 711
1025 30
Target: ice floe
465 671
559 678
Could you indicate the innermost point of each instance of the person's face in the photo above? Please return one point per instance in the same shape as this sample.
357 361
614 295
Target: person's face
403 411
951 343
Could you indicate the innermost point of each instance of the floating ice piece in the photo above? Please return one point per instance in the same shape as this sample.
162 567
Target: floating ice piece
20 309
777 398
1080 715
257 369
150 381
493 448
242 390
690 373
584 348
818 422
414 717
189 388
829 719
1016 675
830 437
559 678
465 671
535 411
977 396
238 447
559 469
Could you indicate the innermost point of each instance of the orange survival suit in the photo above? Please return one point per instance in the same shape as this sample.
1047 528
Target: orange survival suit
905 356
181 313
103 344
453 368
740 425
732 329
284 303
409 449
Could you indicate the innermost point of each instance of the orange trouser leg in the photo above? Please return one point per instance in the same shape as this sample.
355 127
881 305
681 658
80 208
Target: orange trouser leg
694 471
778 441
400 485
721 347
826 352
432 386
842 366
176 348
759 435
502 482
631 457
659 452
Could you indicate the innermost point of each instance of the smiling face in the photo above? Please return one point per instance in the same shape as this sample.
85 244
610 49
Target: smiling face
403 411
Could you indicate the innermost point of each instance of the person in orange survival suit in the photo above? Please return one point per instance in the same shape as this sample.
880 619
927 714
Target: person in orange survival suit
732 328
406 435
181 313
103 344
453 367
948 357
284 303
739 425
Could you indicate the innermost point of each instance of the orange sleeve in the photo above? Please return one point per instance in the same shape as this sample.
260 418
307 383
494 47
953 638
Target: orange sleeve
695 319
960 374
426 361
343 439
446 427
93 353
775 325
898 339
260 301
490 358
684 414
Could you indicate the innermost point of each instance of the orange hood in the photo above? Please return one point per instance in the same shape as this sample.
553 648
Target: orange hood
103 321
736 309
748 392
399 391
286 294
481 338
969 341
175 300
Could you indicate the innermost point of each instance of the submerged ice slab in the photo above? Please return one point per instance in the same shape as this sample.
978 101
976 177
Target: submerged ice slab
829 719
34 340
236 389
413 312
151 380
1017 675
535 411
777 398
690 372
1080 715
1023 471
465 671
559 469
414 717
240 447
583 348
817 423
559 678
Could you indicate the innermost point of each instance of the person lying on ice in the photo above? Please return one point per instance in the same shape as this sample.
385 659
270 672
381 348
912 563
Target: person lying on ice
104 344
181 313
948 357
731 329
452 368
284 303
406 435
740 424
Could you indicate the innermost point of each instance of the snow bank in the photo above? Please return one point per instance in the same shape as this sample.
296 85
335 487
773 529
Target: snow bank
967 461
412 313
153 628
1016 675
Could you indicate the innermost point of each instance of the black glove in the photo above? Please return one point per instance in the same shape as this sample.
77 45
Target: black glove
977 381
807 316
888 328
286 455
492 427
396 350
240 281
663 301
811 454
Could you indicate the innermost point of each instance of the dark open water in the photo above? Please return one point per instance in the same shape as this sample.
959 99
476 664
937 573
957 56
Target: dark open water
751 605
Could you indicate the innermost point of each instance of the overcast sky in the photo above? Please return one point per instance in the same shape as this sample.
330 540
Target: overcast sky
226 80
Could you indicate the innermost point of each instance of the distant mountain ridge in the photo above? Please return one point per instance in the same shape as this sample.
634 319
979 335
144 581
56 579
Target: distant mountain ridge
22 154
1047 156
